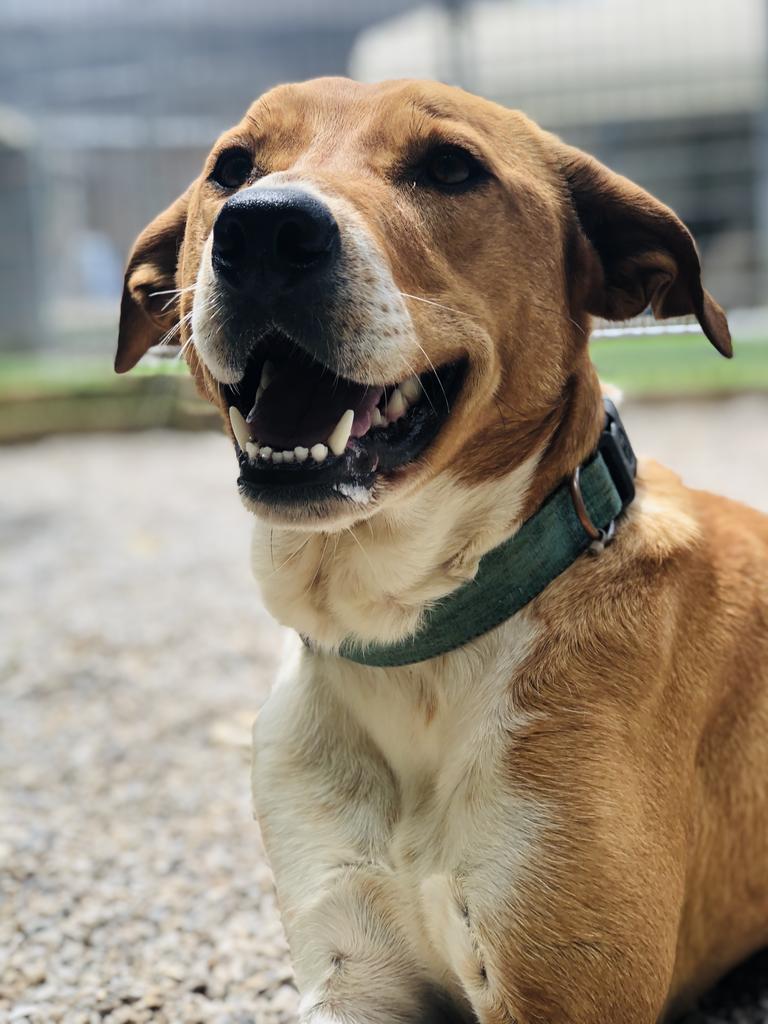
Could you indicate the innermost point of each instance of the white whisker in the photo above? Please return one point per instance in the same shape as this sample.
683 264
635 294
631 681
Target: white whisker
287 560
437 376
357 541
187 344
319 565
414 374
186 319
173 331
173 291
438 305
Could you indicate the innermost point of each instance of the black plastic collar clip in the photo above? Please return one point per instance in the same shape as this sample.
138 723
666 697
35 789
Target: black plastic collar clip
617 451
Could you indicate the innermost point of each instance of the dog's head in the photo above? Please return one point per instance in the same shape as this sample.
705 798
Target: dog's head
379 284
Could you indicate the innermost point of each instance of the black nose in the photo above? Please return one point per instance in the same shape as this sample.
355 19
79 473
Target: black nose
271 240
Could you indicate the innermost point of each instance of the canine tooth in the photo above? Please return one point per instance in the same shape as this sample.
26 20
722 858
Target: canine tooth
411 389
318 452
239 427
277 456
337 442
288 456
267 376
396 406
252 449
377 420
265 453
301 453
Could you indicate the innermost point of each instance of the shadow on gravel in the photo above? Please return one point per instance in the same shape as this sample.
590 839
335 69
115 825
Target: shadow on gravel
740 998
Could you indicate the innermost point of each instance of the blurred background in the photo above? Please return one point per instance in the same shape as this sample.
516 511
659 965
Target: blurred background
133 649
108 107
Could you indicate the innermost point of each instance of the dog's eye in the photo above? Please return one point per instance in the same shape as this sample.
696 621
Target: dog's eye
233 168
451 168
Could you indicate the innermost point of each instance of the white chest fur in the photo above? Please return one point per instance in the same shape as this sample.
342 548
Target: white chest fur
397 775
444 729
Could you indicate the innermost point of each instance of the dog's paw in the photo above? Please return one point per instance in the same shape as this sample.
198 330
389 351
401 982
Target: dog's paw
426 1005
320 1016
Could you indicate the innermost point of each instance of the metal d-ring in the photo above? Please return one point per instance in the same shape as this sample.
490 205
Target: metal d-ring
599 538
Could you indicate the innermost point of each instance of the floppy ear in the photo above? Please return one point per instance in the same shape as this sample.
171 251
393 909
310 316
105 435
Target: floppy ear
145 316
645 254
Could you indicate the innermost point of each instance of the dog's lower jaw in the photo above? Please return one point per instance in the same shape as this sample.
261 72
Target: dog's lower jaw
373 581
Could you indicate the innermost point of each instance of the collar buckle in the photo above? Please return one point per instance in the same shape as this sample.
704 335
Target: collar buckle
599 539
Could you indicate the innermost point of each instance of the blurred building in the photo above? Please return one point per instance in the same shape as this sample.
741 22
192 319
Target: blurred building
21 286
121 100
125 99
671 93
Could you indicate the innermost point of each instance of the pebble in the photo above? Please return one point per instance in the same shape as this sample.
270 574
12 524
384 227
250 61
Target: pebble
132 878
134 655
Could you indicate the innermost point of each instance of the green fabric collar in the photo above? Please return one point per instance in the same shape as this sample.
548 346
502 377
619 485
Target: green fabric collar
519 569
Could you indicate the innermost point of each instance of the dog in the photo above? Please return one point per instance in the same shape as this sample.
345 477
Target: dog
515 767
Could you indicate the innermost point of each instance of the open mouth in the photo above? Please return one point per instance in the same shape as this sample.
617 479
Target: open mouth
304 433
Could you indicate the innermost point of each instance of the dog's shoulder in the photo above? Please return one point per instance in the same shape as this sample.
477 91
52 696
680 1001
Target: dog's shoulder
683 588
718 546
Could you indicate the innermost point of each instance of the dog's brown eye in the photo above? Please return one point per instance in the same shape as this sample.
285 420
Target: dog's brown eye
451 168
233 168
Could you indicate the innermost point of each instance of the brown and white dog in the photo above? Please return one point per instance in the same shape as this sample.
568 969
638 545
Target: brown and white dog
566 819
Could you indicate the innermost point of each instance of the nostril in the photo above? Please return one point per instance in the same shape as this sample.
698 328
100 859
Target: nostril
270 241
229 241
303 243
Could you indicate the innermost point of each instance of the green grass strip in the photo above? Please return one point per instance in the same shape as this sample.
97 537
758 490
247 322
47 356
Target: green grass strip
654 365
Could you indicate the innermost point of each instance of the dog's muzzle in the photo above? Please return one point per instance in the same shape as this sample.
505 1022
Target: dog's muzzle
305 328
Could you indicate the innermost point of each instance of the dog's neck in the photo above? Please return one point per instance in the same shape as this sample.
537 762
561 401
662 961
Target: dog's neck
372 581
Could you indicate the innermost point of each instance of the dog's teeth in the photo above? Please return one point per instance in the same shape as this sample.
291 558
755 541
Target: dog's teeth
377 420
337 442
239 427
277 456
318 452
267 376
396 406
252 449
301 454
265 453
411 389
288 456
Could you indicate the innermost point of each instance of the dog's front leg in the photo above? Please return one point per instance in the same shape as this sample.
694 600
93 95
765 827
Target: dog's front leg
326 803
355 959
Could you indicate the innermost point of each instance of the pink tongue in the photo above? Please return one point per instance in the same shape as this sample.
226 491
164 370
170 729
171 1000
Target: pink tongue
303 404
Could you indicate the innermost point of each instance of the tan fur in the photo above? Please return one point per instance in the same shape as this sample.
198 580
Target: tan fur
562 822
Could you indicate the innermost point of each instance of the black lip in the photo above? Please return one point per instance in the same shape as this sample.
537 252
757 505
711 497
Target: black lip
308 484
382 451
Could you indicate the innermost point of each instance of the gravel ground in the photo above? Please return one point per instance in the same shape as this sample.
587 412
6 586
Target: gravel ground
133 656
